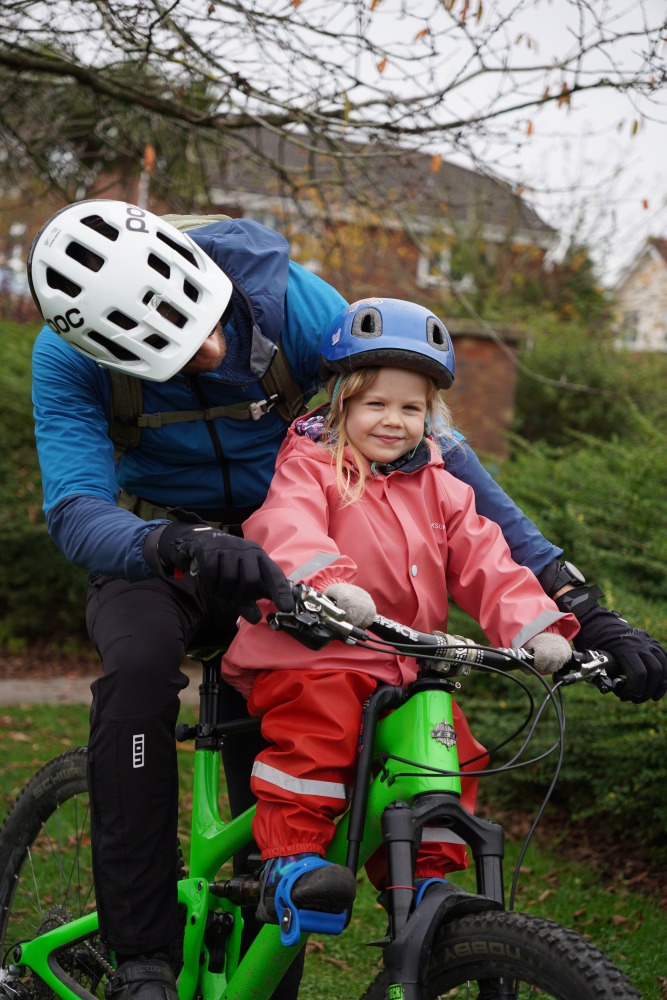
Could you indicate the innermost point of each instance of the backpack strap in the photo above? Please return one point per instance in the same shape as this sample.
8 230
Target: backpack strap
125 408
126 419
279 381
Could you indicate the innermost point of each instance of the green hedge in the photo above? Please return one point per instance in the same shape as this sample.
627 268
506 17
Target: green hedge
605 503
41 595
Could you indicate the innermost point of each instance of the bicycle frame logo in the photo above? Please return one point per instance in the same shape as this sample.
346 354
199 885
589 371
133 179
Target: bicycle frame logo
444 733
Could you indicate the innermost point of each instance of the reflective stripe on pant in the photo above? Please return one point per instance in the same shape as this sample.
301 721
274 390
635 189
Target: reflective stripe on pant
311 720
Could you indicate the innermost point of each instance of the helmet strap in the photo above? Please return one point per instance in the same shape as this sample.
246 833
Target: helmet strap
336 392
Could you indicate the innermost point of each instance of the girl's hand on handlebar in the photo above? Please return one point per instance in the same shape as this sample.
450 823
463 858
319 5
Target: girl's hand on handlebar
357 603
550 652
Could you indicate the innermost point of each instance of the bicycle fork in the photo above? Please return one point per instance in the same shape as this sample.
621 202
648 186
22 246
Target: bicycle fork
416 784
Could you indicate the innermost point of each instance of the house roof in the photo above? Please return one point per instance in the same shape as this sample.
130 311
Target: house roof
419 185
659 245
652 248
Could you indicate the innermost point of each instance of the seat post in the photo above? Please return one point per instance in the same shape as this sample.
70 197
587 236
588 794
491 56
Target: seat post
209 696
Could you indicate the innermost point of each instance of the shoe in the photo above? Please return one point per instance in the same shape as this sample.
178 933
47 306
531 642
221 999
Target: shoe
322 887
143 978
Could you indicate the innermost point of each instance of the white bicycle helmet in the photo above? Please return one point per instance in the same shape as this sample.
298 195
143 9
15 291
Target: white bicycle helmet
126 288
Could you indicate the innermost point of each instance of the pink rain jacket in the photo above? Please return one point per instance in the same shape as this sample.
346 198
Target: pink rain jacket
412 539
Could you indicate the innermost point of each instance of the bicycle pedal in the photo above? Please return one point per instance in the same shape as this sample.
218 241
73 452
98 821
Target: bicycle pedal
294 922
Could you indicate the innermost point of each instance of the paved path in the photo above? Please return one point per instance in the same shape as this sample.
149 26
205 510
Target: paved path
72 690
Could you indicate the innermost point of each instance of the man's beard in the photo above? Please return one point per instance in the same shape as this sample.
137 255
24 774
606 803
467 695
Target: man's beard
209 356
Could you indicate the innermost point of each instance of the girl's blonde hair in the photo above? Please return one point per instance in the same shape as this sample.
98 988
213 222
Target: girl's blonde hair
340 389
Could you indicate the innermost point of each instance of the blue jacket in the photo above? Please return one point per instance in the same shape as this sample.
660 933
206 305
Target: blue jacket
177 465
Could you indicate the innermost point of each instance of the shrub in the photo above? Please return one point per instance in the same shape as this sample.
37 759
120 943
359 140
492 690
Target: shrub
614 385
605 503
40 593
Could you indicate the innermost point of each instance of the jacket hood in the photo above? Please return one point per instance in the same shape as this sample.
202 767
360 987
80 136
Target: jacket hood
256 259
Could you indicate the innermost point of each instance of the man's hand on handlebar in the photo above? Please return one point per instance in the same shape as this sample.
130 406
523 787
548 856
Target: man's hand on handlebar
230 567
639 658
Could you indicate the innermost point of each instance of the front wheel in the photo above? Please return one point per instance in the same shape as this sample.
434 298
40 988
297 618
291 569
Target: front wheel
513 956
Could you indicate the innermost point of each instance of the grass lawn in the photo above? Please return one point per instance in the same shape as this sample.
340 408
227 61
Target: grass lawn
628 925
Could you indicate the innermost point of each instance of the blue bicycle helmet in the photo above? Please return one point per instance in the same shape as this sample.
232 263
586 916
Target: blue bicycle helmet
373 332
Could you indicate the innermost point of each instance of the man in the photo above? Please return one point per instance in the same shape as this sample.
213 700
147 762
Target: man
196 318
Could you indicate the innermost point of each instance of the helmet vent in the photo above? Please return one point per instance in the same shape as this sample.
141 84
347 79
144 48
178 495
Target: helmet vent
97 223
159 265
120 319
156 341
183 251
190 290
172 314
436 334
115 350
367 323
84 256
60 283
165 309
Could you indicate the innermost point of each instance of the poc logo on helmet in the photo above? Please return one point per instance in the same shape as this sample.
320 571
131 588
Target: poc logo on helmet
70 321
135 221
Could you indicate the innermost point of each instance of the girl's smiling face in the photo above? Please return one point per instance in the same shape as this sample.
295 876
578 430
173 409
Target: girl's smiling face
387 419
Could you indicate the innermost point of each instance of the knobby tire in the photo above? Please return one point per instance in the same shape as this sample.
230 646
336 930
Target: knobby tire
498 956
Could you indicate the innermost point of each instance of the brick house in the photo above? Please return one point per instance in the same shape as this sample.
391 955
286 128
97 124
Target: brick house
378 220
641 299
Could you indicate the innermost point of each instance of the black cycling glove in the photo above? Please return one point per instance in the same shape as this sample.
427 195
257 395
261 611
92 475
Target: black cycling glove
640 659
230 567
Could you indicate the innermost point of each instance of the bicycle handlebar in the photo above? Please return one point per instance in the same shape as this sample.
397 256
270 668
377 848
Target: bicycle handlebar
317 620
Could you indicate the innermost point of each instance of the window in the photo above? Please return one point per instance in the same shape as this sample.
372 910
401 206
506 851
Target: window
443 269
434 269
630 328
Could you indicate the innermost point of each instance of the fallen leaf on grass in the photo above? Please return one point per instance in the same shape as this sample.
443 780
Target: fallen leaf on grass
337 962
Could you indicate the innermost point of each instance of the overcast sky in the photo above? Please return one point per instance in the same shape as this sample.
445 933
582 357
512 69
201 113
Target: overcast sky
591 169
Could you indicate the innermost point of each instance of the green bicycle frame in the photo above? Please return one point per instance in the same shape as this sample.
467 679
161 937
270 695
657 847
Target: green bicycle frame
412 732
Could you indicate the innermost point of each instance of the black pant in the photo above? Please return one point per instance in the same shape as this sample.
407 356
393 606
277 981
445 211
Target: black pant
141 632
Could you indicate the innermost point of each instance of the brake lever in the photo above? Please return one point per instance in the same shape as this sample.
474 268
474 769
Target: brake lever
592 670
316 620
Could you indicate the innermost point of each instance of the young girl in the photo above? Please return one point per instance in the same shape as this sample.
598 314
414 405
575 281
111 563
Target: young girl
360 496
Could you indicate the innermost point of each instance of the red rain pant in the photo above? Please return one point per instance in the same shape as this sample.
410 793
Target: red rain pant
302 780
